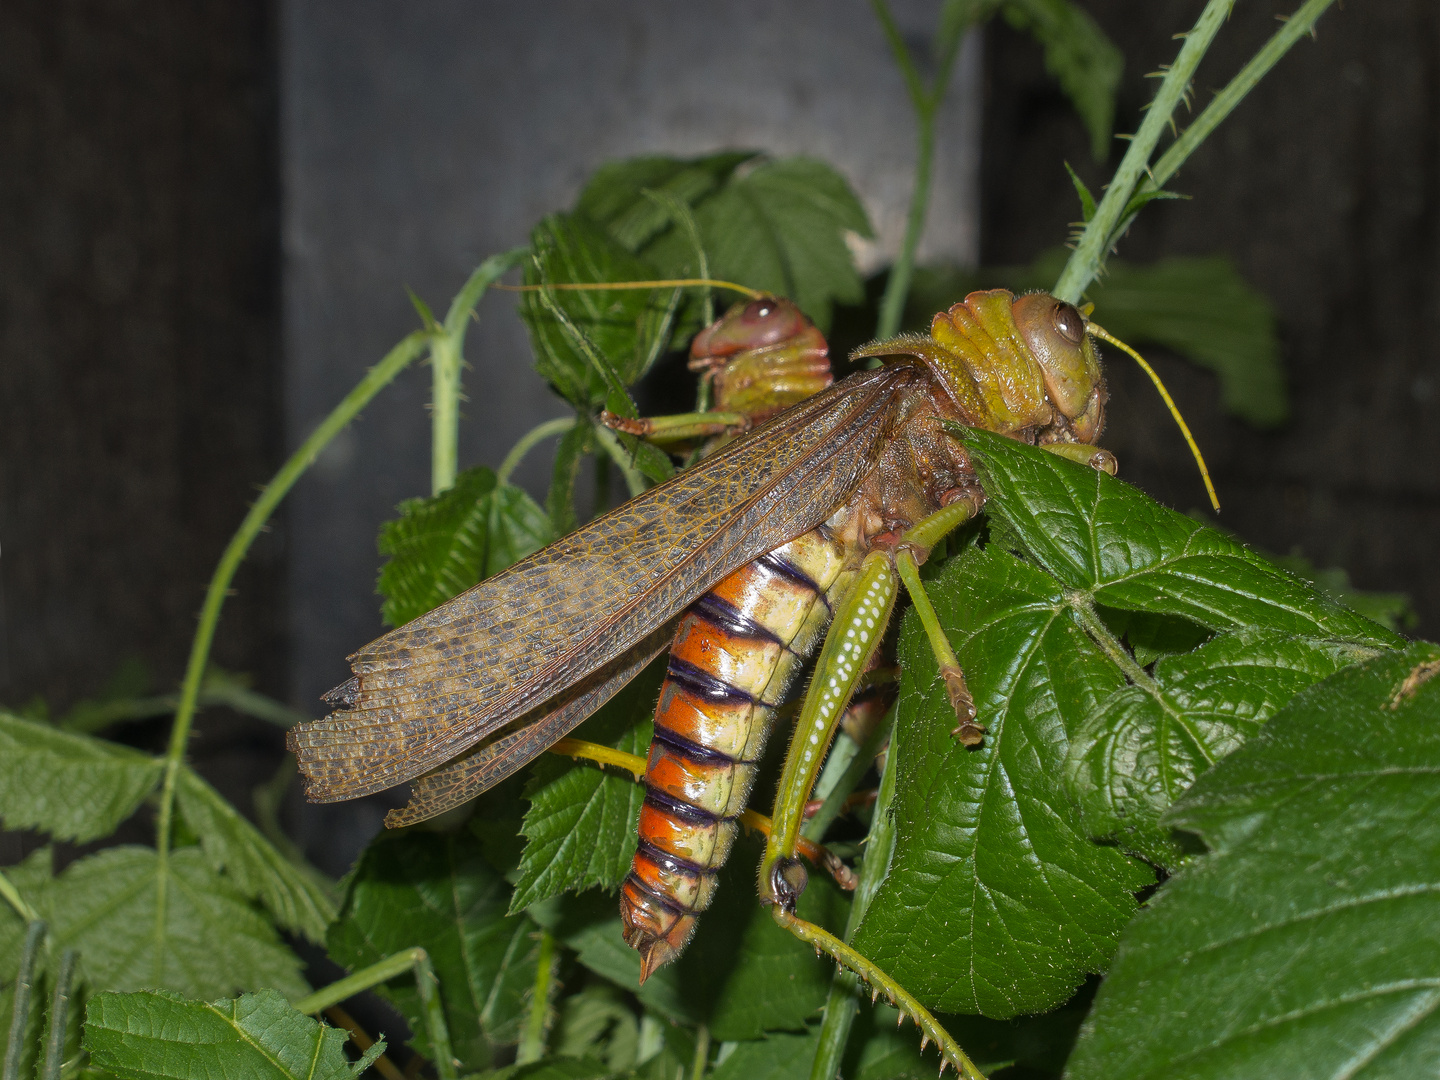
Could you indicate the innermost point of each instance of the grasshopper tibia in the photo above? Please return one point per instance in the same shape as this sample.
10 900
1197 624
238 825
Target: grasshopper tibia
845 956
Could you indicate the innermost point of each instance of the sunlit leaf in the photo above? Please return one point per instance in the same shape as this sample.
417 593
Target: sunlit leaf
628 328
614 196
781 228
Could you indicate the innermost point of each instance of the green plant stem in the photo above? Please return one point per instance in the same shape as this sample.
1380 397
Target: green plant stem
1102 230
532 1043
702 1053
362 980
634 479
378 377
24 989
844 998
428 987
15 900
59 1016
528 442
1291 31
242 699
447 361
926 104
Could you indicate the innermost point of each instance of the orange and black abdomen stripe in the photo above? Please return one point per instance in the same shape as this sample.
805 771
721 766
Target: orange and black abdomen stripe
735 653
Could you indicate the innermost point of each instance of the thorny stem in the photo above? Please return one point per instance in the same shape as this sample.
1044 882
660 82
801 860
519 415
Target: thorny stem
378 377
841 953
59 1015
532 1043
416 960
1102 230
24 988
528 442
447 360
926 103
362 980
1234 92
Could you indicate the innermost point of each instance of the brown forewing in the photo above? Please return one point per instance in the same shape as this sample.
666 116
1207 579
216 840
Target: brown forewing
430 689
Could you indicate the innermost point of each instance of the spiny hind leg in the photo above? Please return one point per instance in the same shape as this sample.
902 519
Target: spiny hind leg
880 983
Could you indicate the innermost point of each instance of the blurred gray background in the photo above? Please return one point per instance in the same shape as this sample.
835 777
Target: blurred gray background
210 212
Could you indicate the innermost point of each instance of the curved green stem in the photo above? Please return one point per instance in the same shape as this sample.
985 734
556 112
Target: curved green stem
634 479
447 361
378 377
1102 230
532 1043
538 434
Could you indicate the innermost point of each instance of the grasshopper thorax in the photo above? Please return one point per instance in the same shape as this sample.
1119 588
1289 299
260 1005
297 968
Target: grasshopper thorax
1018 366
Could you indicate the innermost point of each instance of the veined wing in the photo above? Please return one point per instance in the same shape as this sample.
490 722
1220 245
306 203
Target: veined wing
428 690
495 757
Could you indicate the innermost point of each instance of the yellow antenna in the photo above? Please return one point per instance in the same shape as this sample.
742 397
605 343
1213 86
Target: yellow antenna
1105 335
669 283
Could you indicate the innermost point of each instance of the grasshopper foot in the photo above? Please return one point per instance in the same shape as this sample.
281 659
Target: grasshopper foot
967 731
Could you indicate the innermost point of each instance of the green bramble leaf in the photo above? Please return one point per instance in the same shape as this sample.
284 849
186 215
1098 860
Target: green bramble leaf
580 828
1304 943
437 891
75 787
1143 747
1083 60
209 943
441 546
997 900
615 198
627 328
781 228
296 898
157 1035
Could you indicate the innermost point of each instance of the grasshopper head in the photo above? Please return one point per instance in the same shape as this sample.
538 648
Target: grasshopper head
1069 362
1021 366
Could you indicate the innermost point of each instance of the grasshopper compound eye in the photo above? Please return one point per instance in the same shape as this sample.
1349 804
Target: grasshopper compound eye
1068 322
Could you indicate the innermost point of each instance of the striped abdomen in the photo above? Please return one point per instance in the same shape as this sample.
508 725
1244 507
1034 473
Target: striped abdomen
735 653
